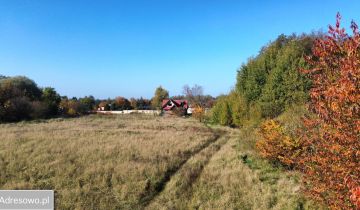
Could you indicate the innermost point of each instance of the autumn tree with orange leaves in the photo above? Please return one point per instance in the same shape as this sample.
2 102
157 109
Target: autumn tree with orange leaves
332 160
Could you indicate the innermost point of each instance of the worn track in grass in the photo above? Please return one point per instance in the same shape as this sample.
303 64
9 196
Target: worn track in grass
186 172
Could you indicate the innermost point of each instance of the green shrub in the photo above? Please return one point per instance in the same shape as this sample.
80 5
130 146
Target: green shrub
16 109
221 112
238 109
39 110
22 99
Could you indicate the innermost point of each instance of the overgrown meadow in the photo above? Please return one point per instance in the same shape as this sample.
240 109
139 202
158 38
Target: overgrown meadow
138 161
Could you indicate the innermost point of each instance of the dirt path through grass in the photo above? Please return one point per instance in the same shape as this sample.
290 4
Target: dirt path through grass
159 187
228 174
177 186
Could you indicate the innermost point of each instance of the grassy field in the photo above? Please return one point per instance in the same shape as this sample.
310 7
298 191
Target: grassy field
143 162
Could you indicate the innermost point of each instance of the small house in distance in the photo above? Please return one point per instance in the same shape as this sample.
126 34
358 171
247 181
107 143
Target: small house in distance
170 106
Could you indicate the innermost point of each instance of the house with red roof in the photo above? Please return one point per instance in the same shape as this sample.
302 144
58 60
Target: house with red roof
169 105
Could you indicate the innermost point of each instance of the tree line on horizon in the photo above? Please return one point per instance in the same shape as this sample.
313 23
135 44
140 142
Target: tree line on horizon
22 99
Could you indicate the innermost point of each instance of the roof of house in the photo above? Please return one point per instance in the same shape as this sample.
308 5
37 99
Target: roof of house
169 104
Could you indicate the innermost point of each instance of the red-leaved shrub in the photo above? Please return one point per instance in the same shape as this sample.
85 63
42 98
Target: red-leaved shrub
332 137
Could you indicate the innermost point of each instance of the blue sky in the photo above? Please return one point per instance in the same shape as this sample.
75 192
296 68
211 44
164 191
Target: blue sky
128 48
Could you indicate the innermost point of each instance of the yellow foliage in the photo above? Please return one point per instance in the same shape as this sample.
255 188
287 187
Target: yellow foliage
71 112
198 112
276 145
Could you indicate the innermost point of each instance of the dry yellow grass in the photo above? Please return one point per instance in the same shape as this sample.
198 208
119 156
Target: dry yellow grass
97 162
143 162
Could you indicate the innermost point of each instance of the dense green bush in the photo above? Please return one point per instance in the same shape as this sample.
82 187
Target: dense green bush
11 87
40 110
22 99
17 108
272 79
233 110
88 102
267 84
220 113
51 100
16 95
238 107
